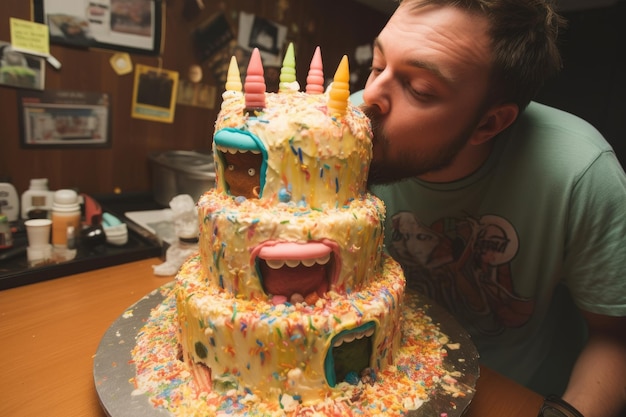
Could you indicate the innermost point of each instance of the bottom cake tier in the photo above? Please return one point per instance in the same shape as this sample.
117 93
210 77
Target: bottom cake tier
431 374
288 353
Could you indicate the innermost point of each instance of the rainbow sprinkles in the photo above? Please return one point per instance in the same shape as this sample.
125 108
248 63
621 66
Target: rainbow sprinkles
419 373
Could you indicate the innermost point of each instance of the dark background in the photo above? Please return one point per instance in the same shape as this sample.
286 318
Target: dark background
591 84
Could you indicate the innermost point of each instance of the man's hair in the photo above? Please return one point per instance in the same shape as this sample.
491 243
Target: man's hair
523 40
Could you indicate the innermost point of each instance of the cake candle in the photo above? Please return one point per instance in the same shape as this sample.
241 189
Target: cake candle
233 78
254 86
315 77
339 90
288 70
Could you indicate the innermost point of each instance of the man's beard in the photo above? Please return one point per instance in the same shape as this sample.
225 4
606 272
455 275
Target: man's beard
384 170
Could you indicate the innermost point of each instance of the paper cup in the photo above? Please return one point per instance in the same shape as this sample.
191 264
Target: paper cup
38 232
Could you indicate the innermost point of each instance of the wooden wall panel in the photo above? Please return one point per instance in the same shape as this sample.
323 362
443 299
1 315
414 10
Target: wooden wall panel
338 26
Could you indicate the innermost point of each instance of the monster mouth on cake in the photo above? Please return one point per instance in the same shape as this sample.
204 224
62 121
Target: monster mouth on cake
296 272
349 355
244 159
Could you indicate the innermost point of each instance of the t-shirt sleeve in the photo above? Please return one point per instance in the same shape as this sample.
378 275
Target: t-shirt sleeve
595 256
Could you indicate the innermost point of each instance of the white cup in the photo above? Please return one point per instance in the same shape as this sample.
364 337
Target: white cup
38 232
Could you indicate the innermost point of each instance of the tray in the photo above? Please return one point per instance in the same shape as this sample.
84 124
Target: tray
113 368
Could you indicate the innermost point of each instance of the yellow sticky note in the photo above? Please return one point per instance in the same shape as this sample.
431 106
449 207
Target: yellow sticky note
27 36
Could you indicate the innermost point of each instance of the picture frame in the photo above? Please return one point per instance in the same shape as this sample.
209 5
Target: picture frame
64 119
21 70
133 26
154 94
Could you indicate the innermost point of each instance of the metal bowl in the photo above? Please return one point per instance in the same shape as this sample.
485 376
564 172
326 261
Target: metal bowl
181 172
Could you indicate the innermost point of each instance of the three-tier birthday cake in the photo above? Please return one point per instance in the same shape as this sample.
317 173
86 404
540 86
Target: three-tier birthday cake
291 306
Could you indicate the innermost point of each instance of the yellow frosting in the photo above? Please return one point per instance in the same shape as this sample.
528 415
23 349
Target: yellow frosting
291 285
230 232
321 160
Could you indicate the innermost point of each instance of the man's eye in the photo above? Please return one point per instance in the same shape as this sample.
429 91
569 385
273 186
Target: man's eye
421 94
376 70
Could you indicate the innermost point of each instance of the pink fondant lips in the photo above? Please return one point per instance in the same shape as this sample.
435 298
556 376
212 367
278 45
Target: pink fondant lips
295 272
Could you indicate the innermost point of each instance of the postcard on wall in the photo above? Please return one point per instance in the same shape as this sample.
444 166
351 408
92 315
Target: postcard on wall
21 70
154 94
64 119
126 25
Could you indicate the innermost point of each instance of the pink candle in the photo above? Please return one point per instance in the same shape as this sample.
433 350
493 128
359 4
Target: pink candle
254 86
315 78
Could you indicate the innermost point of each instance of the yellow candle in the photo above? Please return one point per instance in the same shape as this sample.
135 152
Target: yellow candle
233 78
340 90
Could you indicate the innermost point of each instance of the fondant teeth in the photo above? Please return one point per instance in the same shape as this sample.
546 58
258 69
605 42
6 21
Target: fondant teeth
235 150
351 336
324 260
275 264
308 262
292 263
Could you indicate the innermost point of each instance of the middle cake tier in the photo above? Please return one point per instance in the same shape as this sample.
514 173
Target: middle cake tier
289 252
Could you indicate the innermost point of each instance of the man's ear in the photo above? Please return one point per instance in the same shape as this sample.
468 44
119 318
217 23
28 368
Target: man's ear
494 121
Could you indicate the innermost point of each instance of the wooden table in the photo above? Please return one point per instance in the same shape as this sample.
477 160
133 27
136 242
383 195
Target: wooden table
50 331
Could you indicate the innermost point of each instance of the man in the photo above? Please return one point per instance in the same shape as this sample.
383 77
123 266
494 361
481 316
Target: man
503 211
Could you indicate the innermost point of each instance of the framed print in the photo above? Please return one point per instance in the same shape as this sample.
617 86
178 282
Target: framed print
124 25
59 119
154 94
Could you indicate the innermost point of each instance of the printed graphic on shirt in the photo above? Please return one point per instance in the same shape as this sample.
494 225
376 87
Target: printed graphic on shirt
464 265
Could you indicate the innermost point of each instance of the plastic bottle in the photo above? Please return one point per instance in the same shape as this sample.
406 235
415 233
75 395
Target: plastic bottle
37 200
65 215
9 201
6 238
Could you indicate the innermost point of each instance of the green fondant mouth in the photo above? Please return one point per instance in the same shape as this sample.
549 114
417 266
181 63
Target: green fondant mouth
349 354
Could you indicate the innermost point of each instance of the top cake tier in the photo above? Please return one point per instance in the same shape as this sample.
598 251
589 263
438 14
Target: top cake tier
293 146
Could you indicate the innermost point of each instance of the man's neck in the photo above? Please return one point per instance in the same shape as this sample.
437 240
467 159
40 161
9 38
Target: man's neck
466 162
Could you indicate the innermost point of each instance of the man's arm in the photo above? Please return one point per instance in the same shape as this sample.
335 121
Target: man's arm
597 386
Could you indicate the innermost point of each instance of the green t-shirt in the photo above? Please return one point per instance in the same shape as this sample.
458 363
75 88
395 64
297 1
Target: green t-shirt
503 249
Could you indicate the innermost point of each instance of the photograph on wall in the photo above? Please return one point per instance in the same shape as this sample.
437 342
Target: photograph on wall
195 94
21 70
211 36
125 25
61 119
154 94
269 37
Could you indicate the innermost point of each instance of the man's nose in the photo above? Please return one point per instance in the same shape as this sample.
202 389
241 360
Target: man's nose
376 93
